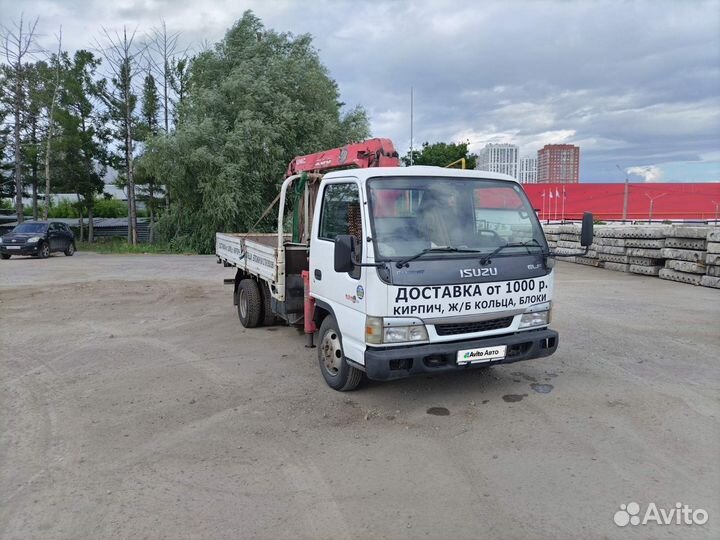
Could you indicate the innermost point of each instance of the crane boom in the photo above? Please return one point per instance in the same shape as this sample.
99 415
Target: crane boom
370 153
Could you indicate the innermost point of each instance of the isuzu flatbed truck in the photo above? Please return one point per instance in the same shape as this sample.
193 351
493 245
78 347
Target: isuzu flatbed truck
397 271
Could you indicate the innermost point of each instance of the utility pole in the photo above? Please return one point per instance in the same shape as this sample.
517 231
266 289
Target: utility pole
652 201
717 205
411 125
625 194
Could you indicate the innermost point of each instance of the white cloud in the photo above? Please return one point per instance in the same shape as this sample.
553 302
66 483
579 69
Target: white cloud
649 173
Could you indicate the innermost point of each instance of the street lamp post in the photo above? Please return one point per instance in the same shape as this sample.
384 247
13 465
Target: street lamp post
652 202
625 194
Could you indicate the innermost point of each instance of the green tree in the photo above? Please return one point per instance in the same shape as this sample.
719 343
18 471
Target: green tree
145 179
255 101
79 161
441 154
16 44
122 55
32 127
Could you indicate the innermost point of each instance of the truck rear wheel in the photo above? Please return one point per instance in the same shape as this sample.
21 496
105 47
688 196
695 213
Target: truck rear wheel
336 371
249 303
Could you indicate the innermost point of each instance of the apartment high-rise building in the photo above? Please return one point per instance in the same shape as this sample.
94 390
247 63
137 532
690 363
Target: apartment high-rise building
558 163
501 158
528 170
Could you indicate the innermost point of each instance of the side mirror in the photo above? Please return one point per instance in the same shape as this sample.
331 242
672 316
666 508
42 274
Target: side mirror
344 248
586 233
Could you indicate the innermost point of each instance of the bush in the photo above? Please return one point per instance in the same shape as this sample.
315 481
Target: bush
110 208
64 209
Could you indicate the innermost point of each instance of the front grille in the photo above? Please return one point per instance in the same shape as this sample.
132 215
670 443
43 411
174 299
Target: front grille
469 328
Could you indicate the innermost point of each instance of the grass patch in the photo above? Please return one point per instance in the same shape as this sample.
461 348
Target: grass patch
119 246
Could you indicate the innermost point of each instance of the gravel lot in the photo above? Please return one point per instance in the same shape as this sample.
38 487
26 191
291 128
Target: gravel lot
134 405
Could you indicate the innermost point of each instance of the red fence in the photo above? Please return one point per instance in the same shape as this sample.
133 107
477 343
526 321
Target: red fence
669 201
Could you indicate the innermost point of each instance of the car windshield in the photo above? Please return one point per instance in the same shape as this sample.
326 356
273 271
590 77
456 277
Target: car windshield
31 228
412 214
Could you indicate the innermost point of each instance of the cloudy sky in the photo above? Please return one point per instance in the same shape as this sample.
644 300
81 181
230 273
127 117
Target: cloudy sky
635 84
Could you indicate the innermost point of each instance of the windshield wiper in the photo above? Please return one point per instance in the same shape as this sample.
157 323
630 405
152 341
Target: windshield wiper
439 249
486 258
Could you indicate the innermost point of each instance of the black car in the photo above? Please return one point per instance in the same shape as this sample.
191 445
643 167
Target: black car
38 238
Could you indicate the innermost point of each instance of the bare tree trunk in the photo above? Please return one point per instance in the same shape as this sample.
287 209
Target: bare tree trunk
80 211
18 162
132 212
15 44
46 208
34 196
151 209
91 225
47 155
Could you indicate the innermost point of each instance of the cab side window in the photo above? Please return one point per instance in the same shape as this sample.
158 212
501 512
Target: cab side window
341 215
340 212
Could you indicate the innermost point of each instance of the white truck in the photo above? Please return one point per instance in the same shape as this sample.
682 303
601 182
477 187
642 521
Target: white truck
400 271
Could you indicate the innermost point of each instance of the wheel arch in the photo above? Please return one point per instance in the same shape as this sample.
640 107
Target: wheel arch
322 310
239 276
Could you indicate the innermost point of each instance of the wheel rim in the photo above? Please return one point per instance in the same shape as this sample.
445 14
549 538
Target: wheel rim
332 354
71 249
242 304
45 250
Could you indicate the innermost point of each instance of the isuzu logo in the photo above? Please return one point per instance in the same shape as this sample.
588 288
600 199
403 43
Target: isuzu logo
478 272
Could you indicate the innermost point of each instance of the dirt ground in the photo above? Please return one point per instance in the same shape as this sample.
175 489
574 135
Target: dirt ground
134 405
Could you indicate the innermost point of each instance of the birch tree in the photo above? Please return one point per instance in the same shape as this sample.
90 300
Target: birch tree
122 57
16 45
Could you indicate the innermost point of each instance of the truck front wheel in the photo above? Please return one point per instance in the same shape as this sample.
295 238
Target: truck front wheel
249 303
334 367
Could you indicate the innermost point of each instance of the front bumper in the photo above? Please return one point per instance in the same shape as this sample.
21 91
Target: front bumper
26 249
399 362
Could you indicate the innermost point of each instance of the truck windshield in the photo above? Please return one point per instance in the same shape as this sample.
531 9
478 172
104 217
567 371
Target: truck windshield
412 214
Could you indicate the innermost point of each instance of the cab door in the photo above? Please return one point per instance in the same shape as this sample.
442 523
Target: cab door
344 292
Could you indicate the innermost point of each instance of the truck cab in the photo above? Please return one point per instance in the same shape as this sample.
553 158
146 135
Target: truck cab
425 270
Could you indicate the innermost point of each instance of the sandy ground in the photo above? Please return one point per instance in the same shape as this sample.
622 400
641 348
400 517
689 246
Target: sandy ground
134 405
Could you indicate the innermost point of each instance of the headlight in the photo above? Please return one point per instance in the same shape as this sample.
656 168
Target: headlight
394 330
0 239
33 239
537 315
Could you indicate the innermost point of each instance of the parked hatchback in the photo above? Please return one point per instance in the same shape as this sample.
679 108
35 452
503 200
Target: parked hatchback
38 238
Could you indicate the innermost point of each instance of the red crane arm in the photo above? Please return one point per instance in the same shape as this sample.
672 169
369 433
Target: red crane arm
370 153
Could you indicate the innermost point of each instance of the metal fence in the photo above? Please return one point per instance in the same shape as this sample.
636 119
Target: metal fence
102 227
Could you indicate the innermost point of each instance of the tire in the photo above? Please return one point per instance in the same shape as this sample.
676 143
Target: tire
338 374
267 317
44 251
249 303
5 256
70 251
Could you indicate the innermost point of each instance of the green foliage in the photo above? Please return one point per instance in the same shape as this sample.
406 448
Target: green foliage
254 102
64 209
119 246
442 154
102 208
79 154
110 208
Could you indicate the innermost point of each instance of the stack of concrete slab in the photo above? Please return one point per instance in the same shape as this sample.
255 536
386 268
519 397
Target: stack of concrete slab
611 249
552 235
685 254
644 249
569 243
712 260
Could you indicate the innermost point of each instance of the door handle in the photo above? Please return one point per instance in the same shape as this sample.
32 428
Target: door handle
318 274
